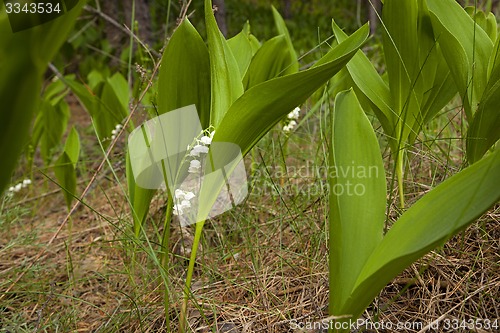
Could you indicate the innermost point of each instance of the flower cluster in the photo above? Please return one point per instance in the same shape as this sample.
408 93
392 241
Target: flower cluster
291 120
116 131
183 199
14 189
200 147
196 150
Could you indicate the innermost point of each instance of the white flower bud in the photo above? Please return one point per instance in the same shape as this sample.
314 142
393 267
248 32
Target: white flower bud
197 150
189 195
206 140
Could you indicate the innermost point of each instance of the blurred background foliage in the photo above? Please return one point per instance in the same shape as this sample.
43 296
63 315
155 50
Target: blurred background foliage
101 42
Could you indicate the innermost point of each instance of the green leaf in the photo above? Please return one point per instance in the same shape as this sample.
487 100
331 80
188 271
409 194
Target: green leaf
242 49
65 167
112 106
272 60
66 176
436 84
120 93
484 130
282 30
466 48
367 79
426 225
357 197
72 146
262 106
184 77
49 128
225 74
400 49
487 22
106 104
255 43
140 199
23 59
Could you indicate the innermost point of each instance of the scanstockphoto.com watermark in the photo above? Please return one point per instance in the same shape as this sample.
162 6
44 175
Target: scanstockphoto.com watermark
444 325
366 324
309 179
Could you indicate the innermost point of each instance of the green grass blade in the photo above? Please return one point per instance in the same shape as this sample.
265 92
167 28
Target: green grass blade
184 77
262 106
357 197
440 214
226 80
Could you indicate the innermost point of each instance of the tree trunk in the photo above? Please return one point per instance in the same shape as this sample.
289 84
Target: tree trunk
372 14
287 9
121 12
220 15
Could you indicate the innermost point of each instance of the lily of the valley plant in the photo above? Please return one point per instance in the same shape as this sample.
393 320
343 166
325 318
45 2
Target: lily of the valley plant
241 89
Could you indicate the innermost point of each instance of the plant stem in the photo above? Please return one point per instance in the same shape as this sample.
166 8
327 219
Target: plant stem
400 175
189 277
164 256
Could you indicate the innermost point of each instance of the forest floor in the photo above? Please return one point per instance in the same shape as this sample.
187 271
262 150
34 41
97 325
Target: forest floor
262 267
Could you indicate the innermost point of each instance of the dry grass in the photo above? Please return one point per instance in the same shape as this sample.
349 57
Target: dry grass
262 268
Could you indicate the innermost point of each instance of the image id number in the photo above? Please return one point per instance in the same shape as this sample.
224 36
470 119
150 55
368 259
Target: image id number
32 8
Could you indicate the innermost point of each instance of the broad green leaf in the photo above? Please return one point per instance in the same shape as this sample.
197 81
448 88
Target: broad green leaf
426 225
112 106
466 48
435 82
24 57
140 199
119 86
400 49
262 106
72 146
184 80
66 176
94 78
367 79
242 49
55 92
357 196
272 60
226 83
184 77
254 42
49 128
283 30
484 130
487 22
65 167
106 108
